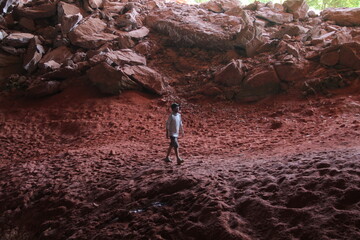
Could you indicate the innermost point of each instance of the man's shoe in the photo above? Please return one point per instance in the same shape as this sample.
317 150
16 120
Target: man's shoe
180 161
167 159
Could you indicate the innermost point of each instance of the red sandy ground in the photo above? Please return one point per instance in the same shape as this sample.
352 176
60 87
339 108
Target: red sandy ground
79 165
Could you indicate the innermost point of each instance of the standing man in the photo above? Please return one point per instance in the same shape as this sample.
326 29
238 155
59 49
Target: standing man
173 128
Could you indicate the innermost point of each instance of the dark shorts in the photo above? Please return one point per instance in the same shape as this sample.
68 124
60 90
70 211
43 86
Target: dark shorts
174 142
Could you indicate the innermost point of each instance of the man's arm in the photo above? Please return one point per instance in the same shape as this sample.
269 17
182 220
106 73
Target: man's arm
181 128
168 126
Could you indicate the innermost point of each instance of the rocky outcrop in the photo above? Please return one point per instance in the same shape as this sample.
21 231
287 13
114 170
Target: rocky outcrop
122 38
342 16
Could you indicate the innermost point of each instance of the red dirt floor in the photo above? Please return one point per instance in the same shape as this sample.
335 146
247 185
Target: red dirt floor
79 165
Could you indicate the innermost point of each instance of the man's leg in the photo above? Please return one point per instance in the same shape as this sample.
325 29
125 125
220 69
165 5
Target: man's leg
168 151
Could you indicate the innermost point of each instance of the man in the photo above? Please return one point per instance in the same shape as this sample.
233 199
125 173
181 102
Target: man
173 127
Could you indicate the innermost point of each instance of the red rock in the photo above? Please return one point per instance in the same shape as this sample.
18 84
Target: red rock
330 58
37 11
33 55
298 8
342 16
89 34
274 17
27 23
258 84
120 57
43 88
147 77
9 65
18 39
138 34
350 55
69 16
220 6
13 50
59 55
109 80
69 22
291 30
231 75
206 31
290 72
95 4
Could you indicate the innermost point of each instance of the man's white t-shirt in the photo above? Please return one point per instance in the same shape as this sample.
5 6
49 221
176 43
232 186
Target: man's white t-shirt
174 125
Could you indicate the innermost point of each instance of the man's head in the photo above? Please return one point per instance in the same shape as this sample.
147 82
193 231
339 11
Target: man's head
175 107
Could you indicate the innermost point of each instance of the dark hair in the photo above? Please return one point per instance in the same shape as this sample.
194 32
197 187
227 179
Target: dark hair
174 105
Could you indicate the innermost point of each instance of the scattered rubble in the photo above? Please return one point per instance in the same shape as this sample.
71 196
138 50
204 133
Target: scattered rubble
277 42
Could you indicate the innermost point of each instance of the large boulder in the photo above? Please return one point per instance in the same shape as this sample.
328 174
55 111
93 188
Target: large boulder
90 34
110 80
342 16
330 58
147 78
290 72
273 16
40 88
9 65
258 84
291 30
95 4
18 39
47 9
69 16
230 75
298 8
33 55
349 55
220 6
120 58
59 55
186 27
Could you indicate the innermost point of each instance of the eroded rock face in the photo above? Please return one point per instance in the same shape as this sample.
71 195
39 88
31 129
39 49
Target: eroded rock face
342 16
